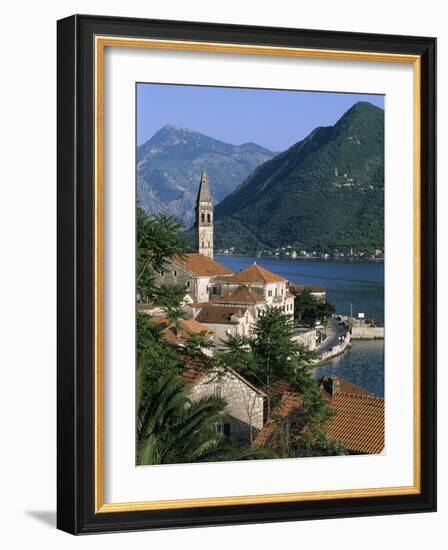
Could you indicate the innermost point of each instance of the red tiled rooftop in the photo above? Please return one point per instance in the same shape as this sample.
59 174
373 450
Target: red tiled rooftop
179 335
358 421
255 274
201 265
219 314
240 295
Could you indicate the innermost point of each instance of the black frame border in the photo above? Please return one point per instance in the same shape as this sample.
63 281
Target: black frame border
76 262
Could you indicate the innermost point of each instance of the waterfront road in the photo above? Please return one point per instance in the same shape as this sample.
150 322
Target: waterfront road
335 329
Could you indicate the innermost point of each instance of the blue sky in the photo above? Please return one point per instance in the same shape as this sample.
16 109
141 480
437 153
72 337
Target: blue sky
275 119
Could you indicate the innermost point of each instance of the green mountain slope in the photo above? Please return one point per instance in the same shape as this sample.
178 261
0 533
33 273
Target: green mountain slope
169 166
323 193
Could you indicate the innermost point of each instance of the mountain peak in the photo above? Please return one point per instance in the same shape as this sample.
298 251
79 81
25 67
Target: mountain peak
361 108
177 128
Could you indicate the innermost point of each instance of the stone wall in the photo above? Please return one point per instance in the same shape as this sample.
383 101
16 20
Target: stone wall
335 350
307 338
197 287
365 332
245 405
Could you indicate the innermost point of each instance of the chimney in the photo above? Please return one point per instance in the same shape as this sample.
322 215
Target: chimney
331 384
335 385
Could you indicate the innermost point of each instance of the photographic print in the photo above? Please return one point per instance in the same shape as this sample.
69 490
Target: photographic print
259 274
233 202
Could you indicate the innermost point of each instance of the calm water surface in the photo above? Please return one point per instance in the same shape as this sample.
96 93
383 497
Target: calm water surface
349 284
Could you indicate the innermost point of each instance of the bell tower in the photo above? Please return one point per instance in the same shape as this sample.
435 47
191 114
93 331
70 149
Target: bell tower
204 219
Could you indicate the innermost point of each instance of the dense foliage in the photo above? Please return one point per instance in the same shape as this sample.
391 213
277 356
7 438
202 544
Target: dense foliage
158 238
271 357
324 193
308 309
174 428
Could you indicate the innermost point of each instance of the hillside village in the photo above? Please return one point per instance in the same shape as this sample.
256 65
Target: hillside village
219 304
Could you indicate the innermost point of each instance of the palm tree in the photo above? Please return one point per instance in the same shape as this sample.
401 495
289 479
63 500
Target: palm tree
173 429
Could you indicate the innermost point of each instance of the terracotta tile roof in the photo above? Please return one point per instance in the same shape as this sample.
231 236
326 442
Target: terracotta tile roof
219 314
280 387
255 274
201 265
358 422
194 372
179 336
290 404
240 295
344 386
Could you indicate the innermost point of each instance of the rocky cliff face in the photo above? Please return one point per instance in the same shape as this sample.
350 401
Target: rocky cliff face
169 166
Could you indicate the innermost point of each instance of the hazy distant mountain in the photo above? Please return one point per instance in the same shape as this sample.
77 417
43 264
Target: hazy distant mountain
170 163
326 191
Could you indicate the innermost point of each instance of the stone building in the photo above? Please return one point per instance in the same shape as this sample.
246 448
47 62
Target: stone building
245 402
264 288
225 321
195 272
225 301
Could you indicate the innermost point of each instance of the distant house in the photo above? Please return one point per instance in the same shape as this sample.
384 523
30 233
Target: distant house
178 335
224 301
225 321
194 272
265 288
245 402
243 296
358 422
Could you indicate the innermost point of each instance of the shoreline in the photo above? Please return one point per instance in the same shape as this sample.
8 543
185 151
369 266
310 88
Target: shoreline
299 259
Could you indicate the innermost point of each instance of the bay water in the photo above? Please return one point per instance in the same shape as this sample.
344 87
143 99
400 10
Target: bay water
352 287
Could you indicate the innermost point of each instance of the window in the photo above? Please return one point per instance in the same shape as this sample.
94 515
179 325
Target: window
215 290
276 291
175 273
209 218
217 390
202 217
188 284
269 292
227 429
162 273
218 428
202 244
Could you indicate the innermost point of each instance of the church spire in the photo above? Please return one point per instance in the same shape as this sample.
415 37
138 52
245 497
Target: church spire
204 218
204 191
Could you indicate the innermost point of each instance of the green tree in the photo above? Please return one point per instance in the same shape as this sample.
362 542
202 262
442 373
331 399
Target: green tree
276 356
158 238
169 298
155 356
195 345
173 429
313 440
308 309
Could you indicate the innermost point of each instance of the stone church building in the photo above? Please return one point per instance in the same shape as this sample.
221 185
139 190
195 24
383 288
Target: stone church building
210 284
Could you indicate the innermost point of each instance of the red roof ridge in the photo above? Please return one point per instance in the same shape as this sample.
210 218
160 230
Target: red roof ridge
201 265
